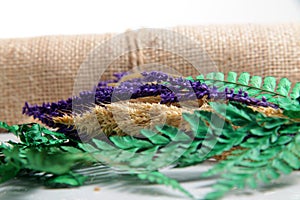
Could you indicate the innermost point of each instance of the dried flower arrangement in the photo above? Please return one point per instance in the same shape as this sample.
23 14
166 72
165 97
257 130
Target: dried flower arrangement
249 124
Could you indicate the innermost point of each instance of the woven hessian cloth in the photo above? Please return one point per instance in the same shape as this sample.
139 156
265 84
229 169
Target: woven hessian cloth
42 69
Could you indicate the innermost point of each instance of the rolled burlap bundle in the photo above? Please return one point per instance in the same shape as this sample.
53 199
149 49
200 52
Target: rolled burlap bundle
43 69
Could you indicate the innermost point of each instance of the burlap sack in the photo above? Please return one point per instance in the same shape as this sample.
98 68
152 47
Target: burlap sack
42 69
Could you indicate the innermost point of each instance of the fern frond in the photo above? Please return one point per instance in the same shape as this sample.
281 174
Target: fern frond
151 152
143 157
255 86
213 136
250 167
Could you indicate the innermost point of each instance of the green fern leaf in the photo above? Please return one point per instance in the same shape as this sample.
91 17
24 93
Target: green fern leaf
290 158
231 112
256 81
244 78
219 76
269 84
255 85
245 168
154 137
272 173
281 166
70 179
232 77
200 77
103 145
263 177
157 177
284 87
173 133
128 142
296 91
211 76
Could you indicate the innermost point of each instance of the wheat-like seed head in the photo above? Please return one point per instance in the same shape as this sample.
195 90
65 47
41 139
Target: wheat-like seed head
125 118
128 118
268 111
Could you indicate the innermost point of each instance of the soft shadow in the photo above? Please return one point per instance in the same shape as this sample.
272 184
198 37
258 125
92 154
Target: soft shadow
22 187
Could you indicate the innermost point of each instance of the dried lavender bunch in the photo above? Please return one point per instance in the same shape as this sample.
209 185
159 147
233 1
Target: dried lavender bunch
149 84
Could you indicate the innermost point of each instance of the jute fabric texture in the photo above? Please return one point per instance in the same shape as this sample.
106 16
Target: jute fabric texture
43 69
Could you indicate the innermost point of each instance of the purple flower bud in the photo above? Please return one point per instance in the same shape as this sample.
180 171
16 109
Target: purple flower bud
240 92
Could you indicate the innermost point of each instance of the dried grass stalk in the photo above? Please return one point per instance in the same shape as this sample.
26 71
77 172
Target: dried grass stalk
125 118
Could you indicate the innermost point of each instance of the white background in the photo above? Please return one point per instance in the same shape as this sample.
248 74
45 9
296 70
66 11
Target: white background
40 17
